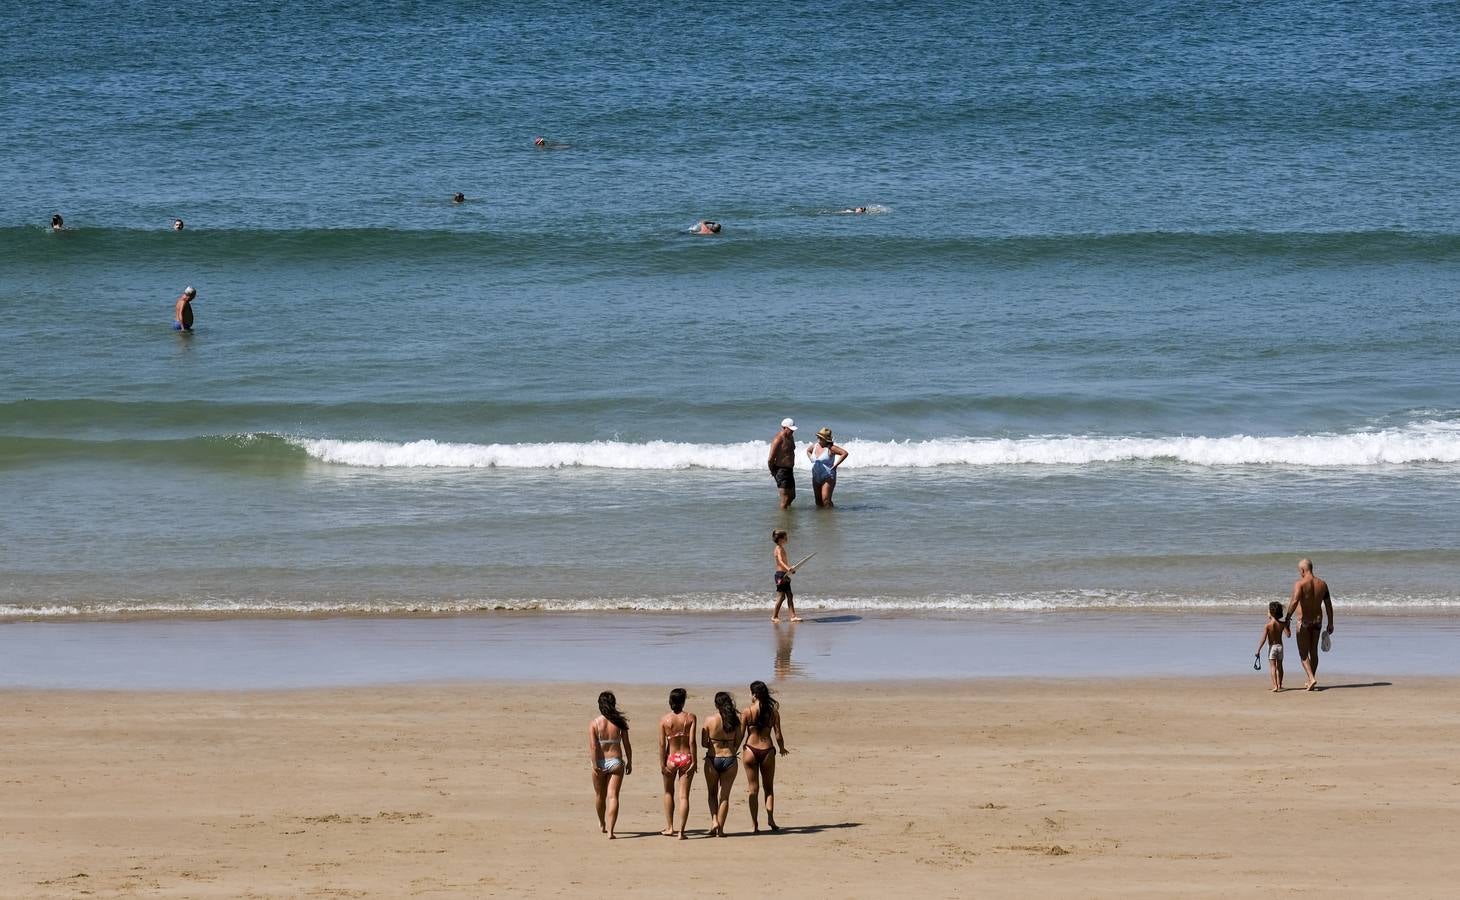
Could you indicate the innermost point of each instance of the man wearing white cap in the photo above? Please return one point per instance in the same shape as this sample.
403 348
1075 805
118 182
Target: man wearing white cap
182 310
783 461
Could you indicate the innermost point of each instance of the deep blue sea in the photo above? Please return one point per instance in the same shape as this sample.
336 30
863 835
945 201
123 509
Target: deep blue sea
1149 300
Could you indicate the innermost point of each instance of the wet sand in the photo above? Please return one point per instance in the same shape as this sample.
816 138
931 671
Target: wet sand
645 648
1160 788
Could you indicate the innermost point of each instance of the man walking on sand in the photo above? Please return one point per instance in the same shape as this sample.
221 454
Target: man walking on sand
783 461
1310 597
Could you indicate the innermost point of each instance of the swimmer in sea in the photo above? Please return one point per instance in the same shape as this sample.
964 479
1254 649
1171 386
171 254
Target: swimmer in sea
721 737
182 310
611 757
705 226
543 143
458 197
677 761
57 223
762 719
177 224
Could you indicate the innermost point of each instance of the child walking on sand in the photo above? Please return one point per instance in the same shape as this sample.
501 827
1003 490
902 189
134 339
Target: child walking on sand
1272 637
784 571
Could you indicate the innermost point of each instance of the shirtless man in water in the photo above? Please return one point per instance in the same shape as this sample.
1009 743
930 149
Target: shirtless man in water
1311 598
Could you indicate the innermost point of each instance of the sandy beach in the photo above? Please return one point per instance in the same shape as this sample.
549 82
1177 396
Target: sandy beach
1205 787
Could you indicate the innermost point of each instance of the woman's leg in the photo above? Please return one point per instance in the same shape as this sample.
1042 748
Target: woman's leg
685 782
727 781
712 787
826 489
600 790
614 780
818 492
768 784
752 782
668 804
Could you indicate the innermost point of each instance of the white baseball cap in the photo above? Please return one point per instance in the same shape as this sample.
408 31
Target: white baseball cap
788 423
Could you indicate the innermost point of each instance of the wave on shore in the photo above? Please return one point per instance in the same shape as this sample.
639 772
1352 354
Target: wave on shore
1429 442
1039 601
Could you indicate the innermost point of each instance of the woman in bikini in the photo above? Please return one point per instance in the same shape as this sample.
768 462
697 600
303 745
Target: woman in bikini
612 757
762 717
677 761
720 737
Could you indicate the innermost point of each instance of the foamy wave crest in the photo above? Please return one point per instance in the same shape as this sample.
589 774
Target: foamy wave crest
1423 442
1069 601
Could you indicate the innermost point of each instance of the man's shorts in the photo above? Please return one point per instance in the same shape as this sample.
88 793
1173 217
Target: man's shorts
785 479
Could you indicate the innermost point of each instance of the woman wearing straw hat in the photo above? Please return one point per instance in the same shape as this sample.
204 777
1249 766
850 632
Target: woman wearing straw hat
826 456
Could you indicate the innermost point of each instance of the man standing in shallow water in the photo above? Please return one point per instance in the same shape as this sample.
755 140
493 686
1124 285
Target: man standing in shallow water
782 461
1310 596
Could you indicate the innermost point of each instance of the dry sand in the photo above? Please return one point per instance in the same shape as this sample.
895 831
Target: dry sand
1098 788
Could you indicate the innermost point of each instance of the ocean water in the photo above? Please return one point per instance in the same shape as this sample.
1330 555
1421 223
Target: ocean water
1150 300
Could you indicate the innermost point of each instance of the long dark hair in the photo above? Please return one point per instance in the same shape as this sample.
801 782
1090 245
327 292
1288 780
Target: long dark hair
608 705
676 699
765 711
729 715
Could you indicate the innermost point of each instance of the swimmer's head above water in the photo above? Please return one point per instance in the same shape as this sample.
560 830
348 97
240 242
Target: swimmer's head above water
57 223
177 224
190 292
539 142
705 226
458 197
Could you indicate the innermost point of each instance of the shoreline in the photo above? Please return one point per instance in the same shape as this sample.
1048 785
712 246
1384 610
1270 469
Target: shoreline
241 654
935 788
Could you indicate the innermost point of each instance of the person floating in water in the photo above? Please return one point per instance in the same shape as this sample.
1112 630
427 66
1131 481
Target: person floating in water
705 226
57 223
177 224
543 143
784 571
825 456
1272 637
458 197
182 311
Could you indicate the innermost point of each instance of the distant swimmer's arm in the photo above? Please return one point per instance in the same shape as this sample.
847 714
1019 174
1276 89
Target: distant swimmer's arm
628 755
1262 643
780 737
1328 610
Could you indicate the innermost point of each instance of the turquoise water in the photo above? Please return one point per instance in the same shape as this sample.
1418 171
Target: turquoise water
1149 301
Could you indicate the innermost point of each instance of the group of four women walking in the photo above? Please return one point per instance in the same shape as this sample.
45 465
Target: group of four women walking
730 738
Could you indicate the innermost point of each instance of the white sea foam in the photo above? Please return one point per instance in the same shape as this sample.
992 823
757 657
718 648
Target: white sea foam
1421 442
1032 602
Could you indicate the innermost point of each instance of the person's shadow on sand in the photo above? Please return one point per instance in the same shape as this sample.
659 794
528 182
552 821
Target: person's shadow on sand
1339 687
785 829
